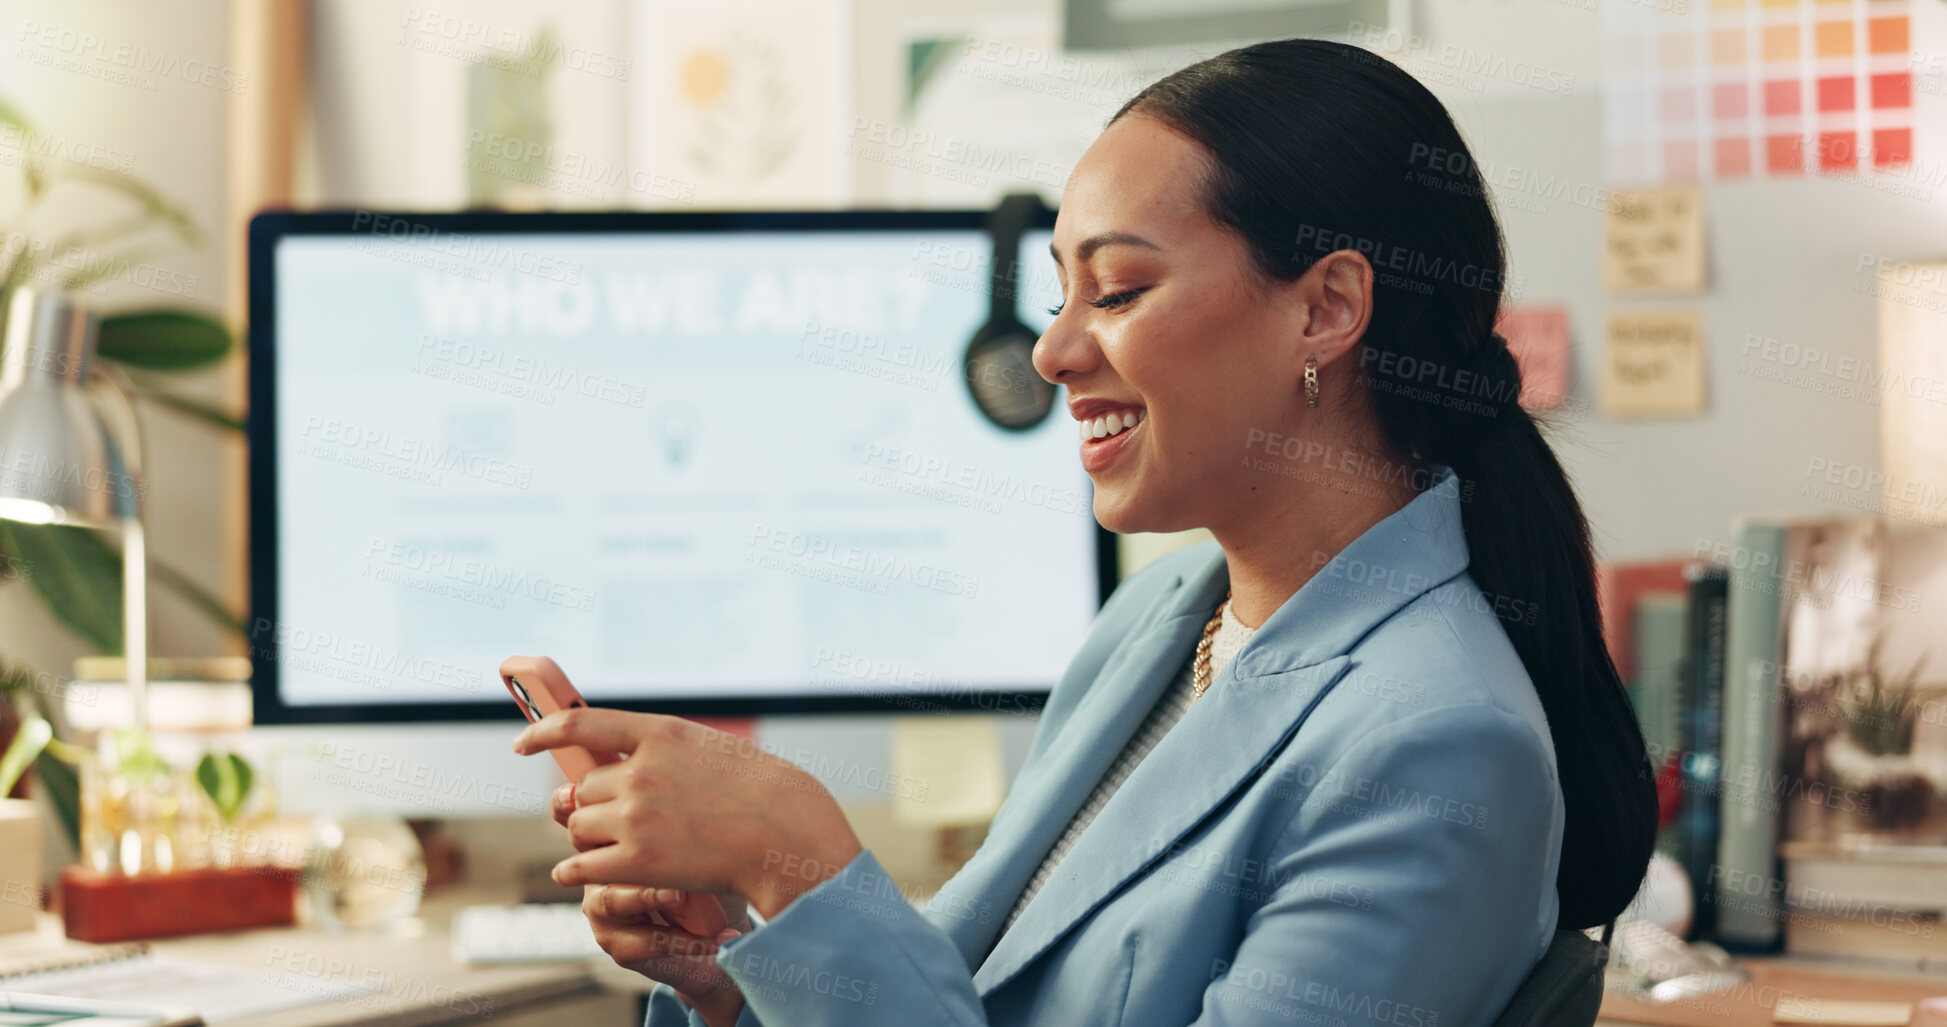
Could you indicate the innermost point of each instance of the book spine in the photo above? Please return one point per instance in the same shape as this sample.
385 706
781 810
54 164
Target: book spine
1661 709
1703 739
1747 852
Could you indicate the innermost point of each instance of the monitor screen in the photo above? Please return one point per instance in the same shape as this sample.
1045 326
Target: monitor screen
709 463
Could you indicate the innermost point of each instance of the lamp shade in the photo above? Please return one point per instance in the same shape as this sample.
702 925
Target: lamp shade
59 463
1913 398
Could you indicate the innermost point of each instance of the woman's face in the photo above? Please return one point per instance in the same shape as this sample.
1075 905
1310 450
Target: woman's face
1162 318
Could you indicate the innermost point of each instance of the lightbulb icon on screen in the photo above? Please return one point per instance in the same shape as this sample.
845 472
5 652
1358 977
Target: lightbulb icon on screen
679 424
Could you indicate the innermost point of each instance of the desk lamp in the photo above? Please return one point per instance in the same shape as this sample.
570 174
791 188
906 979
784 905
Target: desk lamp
60 462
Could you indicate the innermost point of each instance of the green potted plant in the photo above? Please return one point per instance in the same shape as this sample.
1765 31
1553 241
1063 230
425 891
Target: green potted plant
1872 752
76 573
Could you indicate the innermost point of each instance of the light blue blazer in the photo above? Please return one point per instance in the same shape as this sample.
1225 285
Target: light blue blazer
1359 823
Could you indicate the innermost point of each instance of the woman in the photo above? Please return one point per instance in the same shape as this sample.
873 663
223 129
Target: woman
1353 762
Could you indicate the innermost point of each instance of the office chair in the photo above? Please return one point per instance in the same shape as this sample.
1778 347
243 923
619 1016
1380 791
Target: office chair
1564 989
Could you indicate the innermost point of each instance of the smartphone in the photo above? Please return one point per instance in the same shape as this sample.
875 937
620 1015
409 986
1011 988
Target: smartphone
539 688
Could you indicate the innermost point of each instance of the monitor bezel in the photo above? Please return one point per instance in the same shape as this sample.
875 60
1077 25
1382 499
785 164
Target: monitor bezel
268 229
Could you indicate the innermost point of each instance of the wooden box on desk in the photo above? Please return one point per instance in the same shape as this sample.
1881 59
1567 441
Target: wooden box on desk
100 907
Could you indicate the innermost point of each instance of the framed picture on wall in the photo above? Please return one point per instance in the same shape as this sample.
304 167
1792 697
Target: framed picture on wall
1117 24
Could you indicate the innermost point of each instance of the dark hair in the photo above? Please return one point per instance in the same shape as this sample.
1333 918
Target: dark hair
1316 147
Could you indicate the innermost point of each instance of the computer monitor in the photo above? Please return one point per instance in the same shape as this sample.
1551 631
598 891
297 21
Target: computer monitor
711 463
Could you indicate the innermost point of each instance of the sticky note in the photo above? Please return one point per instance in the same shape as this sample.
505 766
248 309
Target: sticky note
947 770
1655 242
1538 338
1653 364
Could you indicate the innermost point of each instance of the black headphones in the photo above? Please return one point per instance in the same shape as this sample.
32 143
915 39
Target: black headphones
999 365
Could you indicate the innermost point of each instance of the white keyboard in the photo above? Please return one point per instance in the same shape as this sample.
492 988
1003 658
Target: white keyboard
537 933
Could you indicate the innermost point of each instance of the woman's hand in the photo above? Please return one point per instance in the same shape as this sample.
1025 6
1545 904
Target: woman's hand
624 919
690 908
632 923
693 809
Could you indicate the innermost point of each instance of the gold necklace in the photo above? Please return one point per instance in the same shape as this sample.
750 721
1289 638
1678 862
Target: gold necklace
1200 666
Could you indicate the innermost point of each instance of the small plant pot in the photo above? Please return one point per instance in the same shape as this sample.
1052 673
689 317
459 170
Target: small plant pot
20 864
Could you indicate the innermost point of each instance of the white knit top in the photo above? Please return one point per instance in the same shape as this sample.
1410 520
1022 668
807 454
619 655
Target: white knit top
1170 708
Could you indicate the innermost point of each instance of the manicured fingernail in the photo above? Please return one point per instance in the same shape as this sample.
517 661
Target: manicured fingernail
564 795
556 873
668 896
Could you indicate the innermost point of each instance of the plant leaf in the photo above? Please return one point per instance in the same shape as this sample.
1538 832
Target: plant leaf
69 753
62 785
11 565
96 266
226 779
11 115
192 593
26 748
163 340
77 575
246 777
136 758
190 408
152 202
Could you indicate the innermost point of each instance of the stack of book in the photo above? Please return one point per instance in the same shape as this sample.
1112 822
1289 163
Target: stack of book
1799 731
1865 899
1665 625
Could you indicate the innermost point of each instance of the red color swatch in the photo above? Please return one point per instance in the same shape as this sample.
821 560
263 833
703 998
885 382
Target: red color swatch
1892 147
1781 96
1784 154
1838 150
1836 93
1893 89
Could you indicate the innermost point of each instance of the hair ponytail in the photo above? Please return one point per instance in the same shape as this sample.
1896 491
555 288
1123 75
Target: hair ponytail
1528 541
1319 146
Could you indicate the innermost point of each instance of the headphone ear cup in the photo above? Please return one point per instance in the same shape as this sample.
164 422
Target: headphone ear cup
1002 379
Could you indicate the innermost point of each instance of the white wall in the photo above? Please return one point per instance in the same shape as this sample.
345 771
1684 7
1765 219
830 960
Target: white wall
388 130
167 128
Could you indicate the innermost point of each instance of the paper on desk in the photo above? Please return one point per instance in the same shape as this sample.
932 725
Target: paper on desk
1655 242
1804 1009
1538 338
946 770
213 990
1653 363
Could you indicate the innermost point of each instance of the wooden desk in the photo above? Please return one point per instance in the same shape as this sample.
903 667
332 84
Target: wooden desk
1751 1004
423 986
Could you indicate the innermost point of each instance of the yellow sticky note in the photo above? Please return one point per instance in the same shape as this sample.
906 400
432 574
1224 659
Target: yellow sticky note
947 771
1804 1009
1653 364
1655 242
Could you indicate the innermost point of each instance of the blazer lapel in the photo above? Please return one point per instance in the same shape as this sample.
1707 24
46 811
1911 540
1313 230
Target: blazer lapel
1250 711
1219 745
972 905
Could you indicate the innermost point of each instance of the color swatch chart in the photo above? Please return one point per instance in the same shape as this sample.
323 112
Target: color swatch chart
1700 90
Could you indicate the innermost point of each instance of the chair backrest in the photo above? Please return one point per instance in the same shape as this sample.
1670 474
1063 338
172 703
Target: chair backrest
1564 989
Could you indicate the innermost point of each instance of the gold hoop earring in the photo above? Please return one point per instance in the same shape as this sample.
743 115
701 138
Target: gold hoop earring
1311 380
